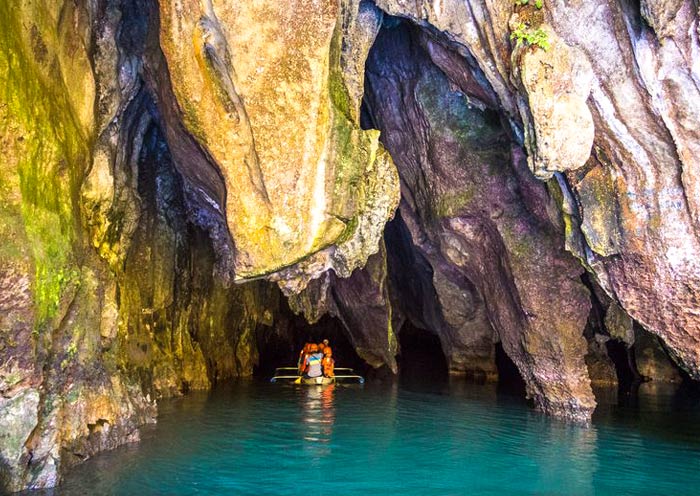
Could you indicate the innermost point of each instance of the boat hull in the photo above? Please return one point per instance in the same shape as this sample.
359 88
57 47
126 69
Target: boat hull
317 380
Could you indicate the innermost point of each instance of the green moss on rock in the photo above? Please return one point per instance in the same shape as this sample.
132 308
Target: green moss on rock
46 148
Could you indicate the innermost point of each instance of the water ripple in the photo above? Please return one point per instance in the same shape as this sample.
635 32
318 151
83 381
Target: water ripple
274 439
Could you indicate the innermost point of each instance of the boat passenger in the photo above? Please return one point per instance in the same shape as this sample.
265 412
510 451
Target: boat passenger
320 347
313 363
301 363
327 362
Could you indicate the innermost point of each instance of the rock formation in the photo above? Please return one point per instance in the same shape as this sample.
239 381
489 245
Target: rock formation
481 225
177 175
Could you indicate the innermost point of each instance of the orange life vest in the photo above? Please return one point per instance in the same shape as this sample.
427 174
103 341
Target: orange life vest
328 365
301 364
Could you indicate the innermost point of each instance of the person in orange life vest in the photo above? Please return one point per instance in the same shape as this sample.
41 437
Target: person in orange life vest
313 363
301 364
327 362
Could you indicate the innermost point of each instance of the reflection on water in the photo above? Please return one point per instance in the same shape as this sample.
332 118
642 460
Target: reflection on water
258 438
318 417
566 455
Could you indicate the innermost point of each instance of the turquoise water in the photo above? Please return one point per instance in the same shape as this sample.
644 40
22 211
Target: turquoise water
257 438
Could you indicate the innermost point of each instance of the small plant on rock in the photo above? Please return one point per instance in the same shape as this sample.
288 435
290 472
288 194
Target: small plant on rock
527 36
538 3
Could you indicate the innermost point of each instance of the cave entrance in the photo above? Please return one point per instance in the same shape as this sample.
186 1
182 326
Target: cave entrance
510 381
421 358
623 361
280 346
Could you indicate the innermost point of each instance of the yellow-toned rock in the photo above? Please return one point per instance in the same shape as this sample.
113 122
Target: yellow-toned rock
258 87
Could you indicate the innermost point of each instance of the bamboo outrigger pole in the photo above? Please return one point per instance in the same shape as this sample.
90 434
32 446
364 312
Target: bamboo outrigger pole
295 368
295 377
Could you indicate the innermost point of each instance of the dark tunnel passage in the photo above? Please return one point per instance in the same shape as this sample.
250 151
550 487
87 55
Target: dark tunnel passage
623 361
421 358
280 347
510 381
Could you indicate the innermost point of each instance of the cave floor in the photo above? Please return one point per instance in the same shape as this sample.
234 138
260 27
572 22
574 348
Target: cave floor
253 437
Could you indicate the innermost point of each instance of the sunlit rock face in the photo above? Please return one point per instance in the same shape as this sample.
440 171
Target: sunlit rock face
271 91
636 198
108 298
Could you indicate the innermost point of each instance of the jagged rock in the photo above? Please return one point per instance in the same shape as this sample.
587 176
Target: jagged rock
644 105
600 220
18 419
477 218
436 296
653 363
277 113
601 369
619 324
660 15
555 85
362 304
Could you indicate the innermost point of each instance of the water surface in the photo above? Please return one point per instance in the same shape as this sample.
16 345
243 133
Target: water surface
258 438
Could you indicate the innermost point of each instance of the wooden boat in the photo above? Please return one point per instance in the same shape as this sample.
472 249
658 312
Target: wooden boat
289 374
318 380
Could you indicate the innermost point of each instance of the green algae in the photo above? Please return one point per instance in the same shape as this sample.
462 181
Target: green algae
449 204
46 156
339 94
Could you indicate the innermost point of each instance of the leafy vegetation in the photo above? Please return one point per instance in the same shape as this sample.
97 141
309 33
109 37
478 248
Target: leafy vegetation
527 36
538 3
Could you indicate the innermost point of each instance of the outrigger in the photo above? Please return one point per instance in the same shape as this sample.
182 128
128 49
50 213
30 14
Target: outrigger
285 374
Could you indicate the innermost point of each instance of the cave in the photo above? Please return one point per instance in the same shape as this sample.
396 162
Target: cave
421 358
281 347
510 381
428 100
621 357
447 191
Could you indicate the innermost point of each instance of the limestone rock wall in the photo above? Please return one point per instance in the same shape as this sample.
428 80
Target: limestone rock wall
478 218
108 294
57 391
635 198
277 112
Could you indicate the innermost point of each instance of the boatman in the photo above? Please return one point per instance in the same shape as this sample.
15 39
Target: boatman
328 363
313 367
